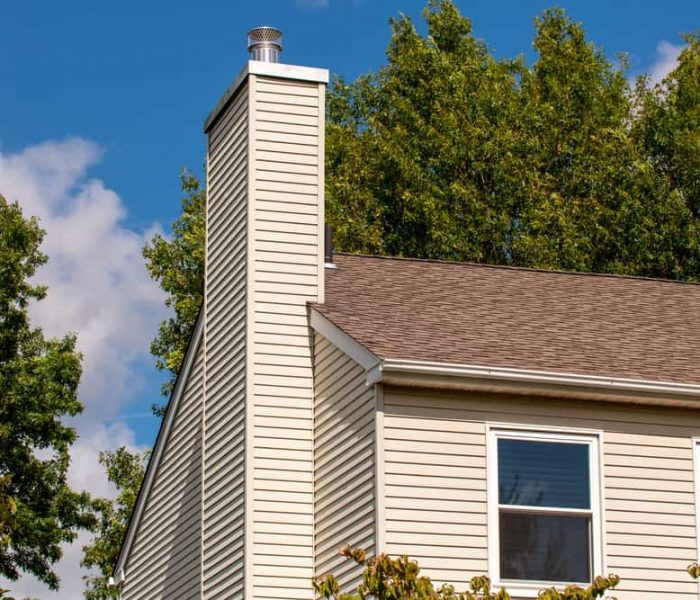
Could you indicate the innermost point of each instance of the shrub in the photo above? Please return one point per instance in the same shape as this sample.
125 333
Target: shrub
386 578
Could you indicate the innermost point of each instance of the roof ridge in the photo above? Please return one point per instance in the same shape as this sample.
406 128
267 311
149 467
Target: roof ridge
516 268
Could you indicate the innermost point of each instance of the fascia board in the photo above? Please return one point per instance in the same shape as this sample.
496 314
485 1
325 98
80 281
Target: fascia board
423 373
342 340
161 441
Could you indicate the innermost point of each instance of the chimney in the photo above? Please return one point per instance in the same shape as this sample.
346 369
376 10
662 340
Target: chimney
264 263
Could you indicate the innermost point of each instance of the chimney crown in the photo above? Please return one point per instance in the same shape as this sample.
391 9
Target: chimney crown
265 44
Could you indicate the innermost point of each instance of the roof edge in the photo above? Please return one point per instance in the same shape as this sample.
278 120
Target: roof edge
640 391
163 435
497 267
341 340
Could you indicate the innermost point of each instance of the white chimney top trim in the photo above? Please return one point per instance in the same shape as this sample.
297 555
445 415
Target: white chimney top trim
256 67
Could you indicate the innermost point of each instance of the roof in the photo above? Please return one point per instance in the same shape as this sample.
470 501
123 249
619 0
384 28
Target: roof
469 314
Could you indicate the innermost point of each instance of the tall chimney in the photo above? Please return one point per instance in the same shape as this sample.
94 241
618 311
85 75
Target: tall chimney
264 263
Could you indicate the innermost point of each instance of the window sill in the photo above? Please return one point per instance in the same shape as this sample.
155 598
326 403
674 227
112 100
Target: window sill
523 590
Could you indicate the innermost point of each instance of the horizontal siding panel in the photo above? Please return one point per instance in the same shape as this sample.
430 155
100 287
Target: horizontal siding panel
283 159
436 484
284 268
344 462
621 516
298 228
284 280
164 561
299 88
274 107
225 338
287 148
265 97
266 116
300 258
267 125
275 204
286 167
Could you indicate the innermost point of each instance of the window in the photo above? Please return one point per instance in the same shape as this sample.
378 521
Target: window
544 508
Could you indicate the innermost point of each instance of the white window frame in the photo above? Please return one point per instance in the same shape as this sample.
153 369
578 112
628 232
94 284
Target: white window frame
696 487
526 588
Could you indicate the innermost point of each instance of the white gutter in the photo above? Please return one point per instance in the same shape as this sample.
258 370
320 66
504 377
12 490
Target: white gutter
407 371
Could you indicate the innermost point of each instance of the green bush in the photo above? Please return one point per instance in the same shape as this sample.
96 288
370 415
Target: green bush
386 578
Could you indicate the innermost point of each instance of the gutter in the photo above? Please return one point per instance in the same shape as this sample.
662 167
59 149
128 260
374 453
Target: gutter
524 381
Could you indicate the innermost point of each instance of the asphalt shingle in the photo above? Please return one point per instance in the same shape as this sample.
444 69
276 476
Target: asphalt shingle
472 314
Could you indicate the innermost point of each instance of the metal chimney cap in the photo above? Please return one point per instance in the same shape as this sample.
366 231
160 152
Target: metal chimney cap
265 44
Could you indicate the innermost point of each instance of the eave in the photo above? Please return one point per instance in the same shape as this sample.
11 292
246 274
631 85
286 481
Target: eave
503 380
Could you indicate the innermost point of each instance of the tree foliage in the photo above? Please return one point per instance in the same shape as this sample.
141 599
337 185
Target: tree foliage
38 388
125 470
447 152
668 124
177 264
386 578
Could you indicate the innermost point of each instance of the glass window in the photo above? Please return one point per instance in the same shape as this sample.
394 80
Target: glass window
545 507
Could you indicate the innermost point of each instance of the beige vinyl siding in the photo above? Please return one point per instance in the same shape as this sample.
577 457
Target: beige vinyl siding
223 501
285 217
344 459
435 478
164 562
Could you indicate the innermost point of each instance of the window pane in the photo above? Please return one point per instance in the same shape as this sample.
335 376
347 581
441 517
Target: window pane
537 473
545 547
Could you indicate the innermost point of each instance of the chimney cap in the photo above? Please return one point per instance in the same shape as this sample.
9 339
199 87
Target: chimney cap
265 44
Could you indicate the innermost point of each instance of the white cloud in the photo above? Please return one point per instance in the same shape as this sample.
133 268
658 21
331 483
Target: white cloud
666 60
98 288
312 3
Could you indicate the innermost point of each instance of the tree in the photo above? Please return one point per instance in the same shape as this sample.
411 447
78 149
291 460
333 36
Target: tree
177 264
668 124
125 470
415 152
449 153
38 389
386 578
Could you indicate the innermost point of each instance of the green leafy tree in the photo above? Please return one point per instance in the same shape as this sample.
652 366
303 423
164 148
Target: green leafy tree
668 124
386 578
415 153
177 264
125 470
38 389
592 200
449 153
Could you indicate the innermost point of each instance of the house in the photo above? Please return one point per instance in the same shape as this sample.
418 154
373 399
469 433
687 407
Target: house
534 426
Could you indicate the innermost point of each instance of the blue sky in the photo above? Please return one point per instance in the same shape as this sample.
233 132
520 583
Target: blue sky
102 104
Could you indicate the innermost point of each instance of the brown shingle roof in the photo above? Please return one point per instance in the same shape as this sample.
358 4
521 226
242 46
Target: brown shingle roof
518 318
